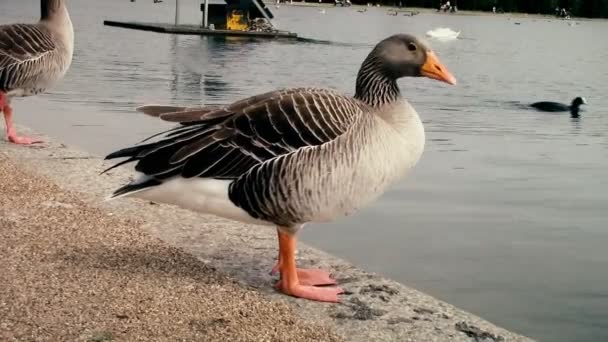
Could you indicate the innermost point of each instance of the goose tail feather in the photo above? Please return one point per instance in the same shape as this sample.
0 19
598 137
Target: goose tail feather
133 187
157 110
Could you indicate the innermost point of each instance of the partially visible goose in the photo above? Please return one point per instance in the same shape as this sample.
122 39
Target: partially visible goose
548 106
291 156
33 57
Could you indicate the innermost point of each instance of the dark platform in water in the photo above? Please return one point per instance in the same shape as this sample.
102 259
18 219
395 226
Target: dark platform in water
197 30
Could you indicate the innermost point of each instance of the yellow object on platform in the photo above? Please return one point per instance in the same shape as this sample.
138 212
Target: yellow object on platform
237 21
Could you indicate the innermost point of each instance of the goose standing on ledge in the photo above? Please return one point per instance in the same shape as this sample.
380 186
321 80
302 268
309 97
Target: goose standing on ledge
33 57
292 156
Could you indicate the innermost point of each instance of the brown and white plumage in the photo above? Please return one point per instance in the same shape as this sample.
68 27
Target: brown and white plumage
291 156
244 134
34 57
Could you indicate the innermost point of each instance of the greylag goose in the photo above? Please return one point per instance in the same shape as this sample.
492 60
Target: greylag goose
292 156
33 57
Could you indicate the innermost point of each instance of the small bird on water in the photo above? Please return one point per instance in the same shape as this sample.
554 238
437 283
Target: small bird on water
292 156
573 108
33 58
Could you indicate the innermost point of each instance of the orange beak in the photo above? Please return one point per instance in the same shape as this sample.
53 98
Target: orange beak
433 68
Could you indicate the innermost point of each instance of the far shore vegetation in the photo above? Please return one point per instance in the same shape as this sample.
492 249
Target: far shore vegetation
559 8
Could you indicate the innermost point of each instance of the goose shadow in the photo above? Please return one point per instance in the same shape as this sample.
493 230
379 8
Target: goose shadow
160 261
157 261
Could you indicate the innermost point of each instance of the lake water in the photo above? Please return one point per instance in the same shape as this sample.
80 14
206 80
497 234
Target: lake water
506 214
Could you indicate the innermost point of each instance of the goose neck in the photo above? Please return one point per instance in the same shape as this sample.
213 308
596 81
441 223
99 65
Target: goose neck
375 86
53 10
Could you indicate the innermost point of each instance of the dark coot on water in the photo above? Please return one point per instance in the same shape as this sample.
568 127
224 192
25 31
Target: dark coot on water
548 106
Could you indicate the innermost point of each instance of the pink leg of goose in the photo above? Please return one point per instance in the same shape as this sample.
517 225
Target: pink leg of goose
291 284
307 276
10 129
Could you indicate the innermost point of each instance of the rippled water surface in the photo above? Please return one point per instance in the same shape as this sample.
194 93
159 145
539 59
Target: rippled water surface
506 214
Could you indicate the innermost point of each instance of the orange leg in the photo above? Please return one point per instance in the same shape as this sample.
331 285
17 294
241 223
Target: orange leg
10 129
313 277
290 283
277 266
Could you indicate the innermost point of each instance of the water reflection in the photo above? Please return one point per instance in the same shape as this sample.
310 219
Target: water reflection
182 82
576 127
206 68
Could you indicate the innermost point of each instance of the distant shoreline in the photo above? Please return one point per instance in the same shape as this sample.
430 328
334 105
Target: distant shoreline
425 10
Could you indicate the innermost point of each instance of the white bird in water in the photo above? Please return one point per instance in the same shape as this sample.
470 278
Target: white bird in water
292 156
443 33
33 58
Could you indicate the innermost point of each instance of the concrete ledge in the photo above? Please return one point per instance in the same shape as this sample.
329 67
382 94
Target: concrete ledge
375 308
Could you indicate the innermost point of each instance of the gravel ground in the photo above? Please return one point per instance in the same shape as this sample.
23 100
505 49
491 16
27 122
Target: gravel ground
72 272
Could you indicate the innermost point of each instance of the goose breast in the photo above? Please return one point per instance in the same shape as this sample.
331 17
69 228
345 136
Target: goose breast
337 178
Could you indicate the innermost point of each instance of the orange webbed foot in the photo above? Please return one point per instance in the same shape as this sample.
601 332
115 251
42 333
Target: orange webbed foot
312 277
302 283
20 140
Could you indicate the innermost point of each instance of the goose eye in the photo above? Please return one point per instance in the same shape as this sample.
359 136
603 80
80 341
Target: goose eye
411 47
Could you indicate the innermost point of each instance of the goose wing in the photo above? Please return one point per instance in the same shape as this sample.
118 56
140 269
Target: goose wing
22 48
226 142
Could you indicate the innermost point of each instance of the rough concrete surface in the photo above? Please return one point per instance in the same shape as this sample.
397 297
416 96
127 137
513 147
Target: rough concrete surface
161 276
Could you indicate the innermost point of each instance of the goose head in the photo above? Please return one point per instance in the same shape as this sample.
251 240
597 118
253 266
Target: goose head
397 56
406 56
